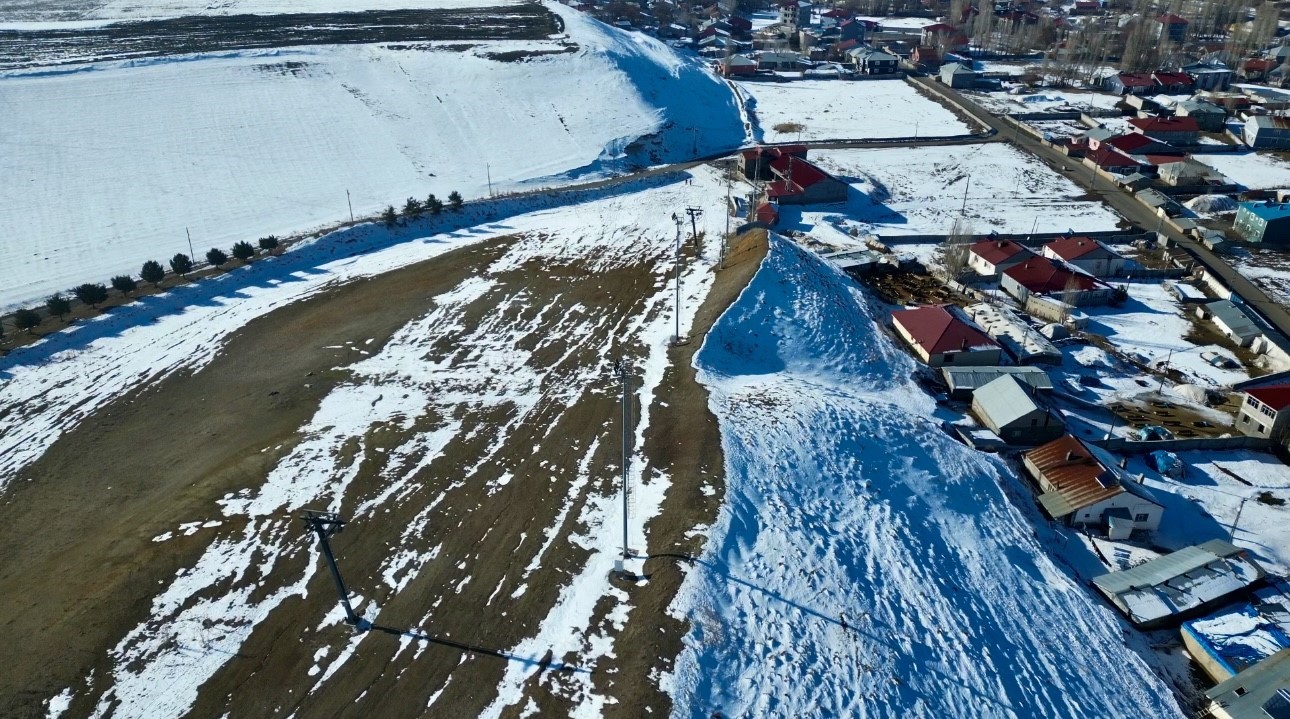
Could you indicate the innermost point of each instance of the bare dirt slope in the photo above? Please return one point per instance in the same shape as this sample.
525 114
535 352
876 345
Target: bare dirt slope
462 540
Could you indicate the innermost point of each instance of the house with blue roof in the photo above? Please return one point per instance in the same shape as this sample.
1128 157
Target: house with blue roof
1227 643
1263 222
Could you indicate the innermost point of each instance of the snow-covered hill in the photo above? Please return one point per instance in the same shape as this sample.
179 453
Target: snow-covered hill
108 165
865 565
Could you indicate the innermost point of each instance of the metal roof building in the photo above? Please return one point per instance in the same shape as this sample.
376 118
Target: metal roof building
1260 692
1007 406
1181 583
1022 341
963 381
1231 321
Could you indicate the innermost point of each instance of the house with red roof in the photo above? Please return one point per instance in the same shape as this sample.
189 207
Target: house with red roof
946 37
926 57
767 214
990 257
1112 160
1133 143
1129 83
1173 130
1087 254
1042 276
1173 82
754 162
801 182
1265 411
942 335
1256 69
1172 27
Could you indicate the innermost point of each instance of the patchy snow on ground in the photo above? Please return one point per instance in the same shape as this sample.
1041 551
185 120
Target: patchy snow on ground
1151 326
1059 129
1043 100
907 191
108 165
837 109
1217 497
1255 170
73 10
219 600
864 564
1269 269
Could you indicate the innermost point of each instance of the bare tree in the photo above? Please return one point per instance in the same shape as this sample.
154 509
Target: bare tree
954 252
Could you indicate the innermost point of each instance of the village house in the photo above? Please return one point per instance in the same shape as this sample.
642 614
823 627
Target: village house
1173 130
1263 222
943 335
754 163
1211 75
1190 172
1009 408
1082 486
1021 341
1260 692
794 14
801 182
1133 144
1171 27
926 58
990 257
1109 159
736 65
1265 411
869 61
1231 321
963 381
779 60
946 37
1041 276
1086 254
1181 584
1130 83
1208 116
1172 83
1256 69
1267 132
957 76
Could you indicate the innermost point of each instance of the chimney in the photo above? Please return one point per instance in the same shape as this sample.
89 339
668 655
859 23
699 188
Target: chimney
1070 456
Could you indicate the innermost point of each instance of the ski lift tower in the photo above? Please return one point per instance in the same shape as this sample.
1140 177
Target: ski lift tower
623 373
325 525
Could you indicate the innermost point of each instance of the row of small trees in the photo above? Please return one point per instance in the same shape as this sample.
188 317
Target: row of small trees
413 209
94 294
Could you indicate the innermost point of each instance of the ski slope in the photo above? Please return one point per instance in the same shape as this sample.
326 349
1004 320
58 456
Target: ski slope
34 13
864 564
105 166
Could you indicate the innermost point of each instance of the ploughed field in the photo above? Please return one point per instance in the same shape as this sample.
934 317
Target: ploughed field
21 48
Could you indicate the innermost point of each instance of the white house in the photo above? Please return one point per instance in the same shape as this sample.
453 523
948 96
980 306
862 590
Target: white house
990 257
1082 486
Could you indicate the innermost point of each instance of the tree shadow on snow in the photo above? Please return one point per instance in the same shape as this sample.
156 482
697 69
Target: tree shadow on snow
309 260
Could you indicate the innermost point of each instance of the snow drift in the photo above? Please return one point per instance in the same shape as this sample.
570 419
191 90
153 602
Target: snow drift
109 165
864 564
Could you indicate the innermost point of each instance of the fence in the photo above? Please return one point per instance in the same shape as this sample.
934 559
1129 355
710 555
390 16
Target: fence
1034 239
1134 446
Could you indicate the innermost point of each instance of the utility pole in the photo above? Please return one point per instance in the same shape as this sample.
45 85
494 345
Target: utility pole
694 212
488 171
679 222
624 377
191 255
350 202
725 238
966 187
324 525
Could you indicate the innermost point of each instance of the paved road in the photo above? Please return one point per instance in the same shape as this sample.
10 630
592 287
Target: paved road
1133 211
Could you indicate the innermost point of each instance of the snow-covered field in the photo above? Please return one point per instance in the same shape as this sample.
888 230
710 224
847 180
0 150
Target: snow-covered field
153 675
106 166
74 10
834 109
1211 502
1152 326
1269 270
1255 170
864 564
906 191
1045 100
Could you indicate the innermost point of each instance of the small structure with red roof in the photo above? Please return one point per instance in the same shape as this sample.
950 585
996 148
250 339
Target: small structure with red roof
736 65
1173 130
1265 411
754 162
990 257
767 214
1086 254
1172 27
946 37
801 182
1130 83
1042 276
1173 82
943 335
1110 159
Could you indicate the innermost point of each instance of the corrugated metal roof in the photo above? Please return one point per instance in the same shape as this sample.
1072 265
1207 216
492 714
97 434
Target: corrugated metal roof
1160 570
1245 694
1074 474
1232 316
957 378
1004 401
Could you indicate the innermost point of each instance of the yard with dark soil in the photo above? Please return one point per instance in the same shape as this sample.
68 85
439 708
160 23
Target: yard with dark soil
83 565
